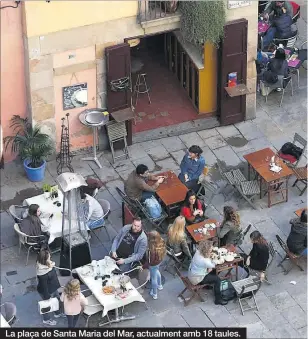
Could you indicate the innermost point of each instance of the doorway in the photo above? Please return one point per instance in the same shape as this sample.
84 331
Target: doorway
170 104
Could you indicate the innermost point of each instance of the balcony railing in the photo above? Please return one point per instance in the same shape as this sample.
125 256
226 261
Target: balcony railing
153 10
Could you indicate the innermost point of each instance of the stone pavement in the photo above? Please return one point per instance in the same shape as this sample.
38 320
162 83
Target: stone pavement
283 306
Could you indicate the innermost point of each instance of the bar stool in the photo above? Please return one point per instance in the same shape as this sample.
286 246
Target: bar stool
141 87
117 132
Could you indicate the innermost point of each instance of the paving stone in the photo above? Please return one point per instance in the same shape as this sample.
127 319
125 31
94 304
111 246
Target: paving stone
295 316
145 161
249 317
172 318
285 330
227 155
173 144
105 194
302 332
227 131
216 141
209 156
220 317
158 153
23 274
178 156
249 130
124 175
136 151
208 133
258 330
282 300
148 145
124 165
106 174
111 186
195 317
192 139
167 165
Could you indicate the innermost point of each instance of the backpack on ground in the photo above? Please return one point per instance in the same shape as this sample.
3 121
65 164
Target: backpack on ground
227 291
153 207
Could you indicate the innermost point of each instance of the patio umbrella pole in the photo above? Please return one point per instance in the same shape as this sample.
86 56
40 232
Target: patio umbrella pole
69 229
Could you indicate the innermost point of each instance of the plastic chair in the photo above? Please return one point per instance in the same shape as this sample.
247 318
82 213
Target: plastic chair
17 212
29 242
10 312
106 209
92 308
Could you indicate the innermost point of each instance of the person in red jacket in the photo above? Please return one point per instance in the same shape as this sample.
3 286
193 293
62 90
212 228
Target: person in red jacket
192 208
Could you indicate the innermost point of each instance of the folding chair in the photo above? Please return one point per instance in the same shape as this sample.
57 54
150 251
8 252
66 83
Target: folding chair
247 289
194 289
294 258
249 190
131 203
303 143
156 222
301 176
174 261
209 189
232 177
286 81
10 312
242 236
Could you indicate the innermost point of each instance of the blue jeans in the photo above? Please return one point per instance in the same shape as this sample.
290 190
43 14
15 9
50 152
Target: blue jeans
304 252
269 37
155 277
92 224
72 320
146 195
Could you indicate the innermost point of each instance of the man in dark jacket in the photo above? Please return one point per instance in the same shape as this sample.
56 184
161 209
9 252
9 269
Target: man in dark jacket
297 239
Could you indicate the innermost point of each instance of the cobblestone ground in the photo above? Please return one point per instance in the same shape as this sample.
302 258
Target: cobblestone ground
282 305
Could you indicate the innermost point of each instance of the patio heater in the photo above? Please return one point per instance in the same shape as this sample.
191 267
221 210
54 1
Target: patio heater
75 248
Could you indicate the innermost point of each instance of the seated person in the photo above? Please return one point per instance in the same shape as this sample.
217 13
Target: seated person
297 239
177 239
229 231
201 270
281 28
130 245
32 225
94 213
192 166
258 257
277 70
274 6
193 209
136 186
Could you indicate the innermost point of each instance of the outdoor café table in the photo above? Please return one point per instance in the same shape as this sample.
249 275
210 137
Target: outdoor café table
274 182
3 322
196 236
263 27
48 206
109 302
299 212
172 191
228 265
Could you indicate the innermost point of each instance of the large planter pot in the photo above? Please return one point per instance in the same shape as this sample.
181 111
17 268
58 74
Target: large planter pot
35 174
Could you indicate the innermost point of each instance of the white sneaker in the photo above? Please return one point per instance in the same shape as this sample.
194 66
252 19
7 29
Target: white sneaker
50 322
154 296
60 315
160 287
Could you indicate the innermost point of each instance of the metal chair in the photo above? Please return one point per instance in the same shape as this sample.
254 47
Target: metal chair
303 143
29 242
296 15
141 83
294 258
286 81
116 132
92 308
17 212
174 261
247 289
209 189
9 312
131 203
106 209
156 222
242 237
287 43
301 176
232 177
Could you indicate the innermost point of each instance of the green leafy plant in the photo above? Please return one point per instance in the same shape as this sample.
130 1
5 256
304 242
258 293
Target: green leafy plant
29 142
46 188
203 21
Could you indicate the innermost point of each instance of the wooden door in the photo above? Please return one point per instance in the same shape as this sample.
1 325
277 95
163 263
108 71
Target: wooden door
118 66
233 59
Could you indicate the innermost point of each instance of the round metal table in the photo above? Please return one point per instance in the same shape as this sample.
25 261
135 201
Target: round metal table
94 118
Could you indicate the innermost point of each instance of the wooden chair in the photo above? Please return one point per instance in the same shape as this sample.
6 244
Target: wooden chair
301 176
249 190
242 236
116 132
247 289
209 189
173 262
301 142
294 258
194 289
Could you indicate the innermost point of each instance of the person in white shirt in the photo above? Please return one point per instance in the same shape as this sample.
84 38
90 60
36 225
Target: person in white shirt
93 211
201 270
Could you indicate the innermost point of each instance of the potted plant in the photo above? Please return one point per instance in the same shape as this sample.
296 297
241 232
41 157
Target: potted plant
32 145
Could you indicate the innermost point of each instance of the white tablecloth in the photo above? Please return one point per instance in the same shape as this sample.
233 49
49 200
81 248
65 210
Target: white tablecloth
109 302
3 322
48 206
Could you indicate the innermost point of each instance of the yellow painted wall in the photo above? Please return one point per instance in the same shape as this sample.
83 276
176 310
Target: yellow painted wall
208 81
43 18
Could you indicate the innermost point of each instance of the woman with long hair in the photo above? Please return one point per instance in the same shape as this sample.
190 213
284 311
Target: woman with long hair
230 229
156 253
258 257
201 270
32 224
74 302
297 239
192 208
48 282
177 239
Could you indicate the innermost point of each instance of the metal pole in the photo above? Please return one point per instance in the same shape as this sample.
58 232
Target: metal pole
69 227
94 141
63 216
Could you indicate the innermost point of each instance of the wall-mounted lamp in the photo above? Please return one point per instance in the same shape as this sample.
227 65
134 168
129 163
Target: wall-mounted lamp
10 6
